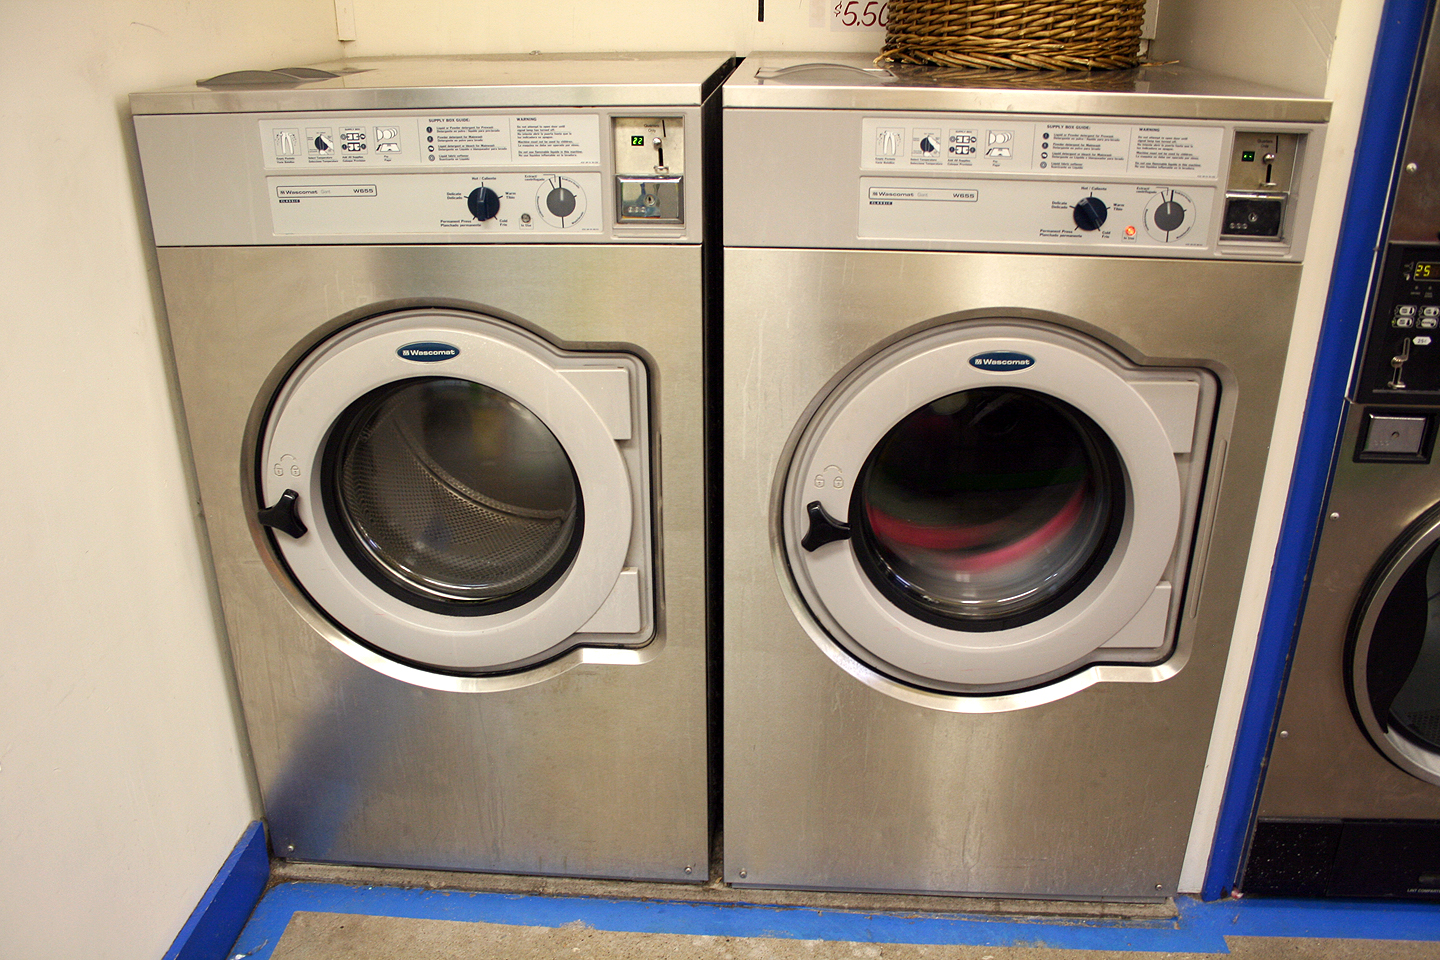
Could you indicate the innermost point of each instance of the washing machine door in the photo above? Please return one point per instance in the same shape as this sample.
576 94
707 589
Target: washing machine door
987 506
457 493
1393 657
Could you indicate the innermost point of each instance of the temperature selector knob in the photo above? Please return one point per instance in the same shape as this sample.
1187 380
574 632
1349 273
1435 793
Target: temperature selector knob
1090 213
483 202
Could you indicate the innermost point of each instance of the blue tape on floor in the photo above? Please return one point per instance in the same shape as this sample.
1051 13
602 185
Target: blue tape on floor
1199 928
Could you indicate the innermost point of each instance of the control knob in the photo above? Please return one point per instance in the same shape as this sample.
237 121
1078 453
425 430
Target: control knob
560 201
483 202
1169 215
1090 213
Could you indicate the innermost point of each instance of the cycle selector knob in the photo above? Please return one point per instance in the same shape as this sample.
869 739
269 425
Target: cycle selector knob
1169 215
483 202
1090 213
560 201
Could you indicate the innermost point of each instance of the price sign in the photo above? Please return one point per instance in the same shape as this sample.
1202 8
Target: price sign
850 14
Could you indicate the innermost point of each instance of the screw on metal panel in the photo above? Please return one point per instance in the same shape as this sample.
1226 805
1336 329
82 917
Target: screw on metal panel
1411 167
1284 734
1159 886
289 848
744 874
1334 516
689 869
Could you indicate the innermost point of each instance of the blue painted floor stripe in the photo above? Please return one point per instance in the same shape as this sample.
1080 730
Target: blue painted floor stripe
1199 928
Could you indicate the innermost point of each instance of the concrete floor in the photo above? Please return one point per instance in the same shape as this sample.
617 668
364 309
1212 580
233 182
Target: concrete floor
332 936
329 913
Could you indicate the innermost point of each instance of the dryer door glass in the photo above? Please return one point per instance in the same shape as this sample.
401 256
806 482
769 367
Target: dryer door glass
451 495
988 508
1397 653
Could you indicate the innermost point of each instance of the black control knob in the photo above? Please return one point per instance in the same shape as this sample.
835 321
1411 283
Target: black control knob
928 145
1169 215
1090 213
560 202
483 202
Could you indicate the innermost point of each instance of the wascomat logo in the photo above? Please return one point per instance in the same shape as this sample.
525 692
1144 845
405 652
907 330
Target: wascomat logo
428 351
1001 361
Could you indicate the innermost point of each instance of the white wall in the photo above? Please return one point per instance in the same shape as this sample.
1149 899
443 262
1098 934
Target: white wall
1282 43
464 26
122 782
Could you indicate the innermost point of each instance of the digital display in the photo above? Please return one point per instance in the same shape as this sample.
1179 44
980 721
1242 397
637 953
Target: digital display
637 141
1425 271
1247 156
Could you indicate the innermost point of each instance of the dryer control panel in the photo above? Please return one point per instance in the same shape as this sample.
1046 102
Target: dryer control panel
1116 186
1401 360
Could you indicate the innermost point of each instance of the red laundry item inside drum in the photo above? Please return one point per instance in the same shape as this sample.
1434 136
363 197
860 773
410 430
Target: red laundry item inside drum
962 548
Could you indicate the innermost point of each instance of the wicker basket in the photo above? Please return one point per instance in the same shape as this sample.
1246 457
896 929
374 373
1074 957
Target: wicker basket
1016 34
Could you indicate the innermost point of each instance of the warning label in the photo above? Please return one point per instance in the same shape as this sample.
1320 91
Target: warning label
558 139
1186 151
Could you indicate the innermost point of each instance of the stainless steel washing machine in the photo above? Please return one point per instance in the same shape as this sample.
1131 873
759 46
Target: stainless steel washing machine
431 319
1351 798
1001 362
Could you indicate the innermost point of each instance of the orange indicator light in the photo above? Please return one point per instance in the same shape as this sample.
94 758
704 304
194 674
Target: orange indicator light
1130 231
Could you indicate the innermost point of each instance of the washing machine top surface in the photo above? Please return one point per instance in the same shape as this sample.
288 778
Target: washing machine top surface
487 80
851 80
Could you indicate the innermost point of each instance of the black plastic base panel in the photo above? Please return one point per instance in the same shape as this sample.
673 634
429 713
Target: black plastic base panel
1396 859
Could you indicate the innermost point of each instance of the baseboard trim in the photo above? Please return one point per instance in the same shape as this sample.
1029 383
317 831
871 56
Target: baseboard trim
221 914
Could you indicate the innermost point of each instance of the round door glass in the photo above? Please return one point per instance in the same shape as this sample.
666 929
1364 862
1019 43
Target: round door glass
988 508
452 495
1402 663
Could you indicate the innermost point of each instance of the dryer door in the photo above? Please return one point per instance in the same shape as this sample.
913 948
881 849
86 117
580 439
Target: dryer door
1393 657
457 493
986 507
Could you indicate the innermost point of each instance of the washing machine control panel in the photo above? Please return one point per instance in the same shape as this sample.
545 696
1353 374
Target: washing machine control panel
1011 182
556 174
516 175
1071 181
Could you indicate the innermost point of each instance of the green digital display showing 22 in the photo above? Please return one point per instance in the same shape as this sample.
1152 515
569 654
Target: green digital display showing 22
637 141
